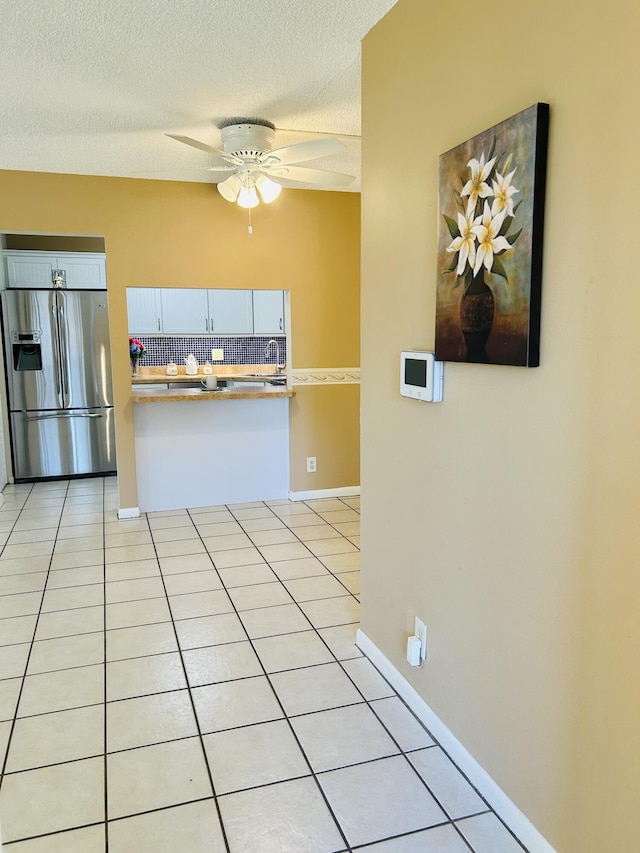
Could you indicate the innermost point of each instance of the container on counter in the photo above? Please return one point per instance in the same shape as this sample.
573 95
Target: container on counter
191 363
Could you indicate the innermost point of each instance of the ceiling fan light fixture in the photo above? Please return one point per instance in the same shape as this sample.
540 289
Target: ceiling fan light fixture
248 197
230 188
268 189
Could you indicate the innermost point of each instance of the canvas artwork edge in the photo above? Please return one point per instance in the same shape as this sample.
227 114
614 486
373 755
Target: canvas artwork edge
491 224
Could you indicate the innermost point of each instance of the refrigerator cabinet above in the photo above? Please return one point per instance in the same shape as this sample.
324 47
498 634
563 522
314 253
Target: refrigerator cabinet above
78 270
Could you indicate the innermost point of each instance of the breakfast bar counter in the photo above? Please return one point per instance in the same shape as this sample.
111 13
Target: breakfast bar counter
197 395
211 454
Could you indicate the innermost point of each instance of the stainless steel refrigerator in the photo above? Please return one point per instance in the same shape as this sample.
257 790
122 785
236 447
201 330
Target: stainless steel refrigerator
58 367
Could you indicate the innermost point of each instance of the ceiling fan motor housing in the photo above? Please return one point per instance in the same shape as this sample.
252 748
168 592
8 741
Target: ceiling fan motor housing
247 137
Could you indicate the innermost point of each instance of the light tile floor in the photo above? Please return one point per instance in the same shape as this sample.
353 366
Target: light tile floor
188 681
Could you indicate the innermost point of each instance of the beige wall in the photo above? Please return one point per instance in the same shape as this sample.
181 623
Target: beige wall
325 423
506 517
170 234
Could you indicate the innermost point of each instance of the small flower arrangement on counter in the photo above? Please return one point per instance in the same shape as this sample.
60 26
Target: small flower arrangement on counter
136 350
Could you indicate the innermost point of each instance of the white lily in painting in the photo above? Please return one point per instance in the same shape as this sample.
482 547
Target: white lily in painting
487 230
503 194
465 244
477 186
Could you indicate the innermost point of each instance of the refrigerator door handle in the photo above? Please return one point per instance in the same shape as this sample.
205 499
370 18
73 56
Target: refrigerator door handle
64 353
64 415
56 362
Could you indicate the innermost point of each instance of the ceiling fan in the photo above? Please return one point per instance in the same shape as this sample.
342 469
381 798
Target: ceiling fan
255 166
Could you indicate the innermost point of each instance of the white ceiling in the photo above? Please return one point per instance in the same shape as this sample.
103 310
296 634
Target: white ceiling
91 88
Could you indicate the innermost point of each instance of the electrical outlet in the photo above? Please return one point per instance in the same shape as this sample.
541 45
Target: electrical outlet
421 634
311 465
217 355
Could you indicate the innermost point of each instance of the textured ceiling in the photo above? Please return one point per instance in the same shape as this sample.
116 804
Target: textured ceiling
91 88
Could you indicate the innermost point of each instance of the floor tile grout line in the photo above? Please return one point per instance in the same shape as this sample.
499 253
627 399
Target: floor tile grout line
58 710
489 811
104 676
23 770
24 674
194 712
53 834
163 808
414 832
291 729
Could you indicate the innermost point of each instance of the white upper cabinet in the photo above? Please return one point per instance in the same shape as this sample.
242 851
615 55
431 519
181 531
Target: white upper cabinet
143 311
185 311
268 312
84 270
231 312
80 270
194 311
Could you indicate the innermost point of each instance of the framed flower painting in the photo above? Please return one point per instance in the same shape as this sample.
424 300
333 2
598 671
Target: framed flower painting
491 204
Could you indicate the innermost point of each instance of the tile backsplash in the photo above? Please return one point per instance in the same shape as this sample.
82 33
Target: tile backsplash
237 350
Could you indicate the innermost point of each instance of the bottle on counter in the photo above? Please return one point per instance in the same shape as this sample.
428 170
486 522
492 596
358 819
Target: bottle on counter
207 368
172 369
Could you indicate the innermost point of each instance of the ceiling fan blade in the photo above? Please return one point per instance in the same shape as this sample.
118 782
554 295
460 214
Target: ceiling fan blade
220 168
230 188
308 176
301 151
195 143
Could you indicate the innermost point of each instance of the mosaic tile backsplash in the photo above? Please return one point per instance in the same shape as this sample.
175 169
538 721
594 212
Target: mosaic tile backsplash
237 350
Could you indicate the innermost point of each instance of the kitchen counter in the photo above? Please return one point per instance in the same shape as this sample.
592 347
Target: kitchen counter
209 454
195 395
226 372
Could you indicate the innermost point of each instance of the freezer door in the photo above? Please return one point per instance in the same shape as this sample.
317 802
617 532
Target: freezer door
85 352
63 443
33 369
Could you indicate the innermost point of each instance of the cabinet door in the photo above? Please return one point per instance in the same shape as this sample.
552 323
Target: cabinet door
30 269
231 312
84 270
268 312
143 310
185 311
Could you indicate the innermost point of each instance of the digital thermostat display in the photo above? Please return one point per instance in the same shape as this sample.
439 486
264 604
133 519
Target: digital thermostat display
420 376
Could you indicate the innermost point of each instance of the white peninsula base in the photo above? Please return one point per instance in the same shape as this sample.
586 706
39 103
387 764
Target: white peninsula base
211 452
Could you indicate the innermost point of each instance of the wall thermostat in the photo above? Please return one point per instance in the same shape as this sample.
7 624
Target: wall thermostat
421 376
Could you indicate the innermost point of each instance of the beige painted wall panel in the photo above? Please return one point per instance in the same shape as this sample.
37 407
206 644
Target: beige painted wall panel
325 423
506 517
171 234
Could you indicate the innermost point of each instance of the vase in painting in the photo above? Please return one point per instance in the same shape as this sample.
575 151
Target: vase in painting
476 315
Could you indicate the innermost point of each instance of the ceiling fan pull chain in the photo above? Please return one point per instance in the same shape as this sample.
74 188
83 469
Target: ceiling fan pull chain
250 226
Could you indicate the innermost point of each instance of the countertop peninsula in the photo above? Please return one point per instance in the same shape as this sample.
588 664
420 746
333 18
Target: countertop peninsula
239 372
195 395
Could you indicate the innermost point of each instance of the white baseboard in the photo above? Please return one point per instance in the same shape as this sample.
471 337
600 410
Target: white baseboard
315 494
129 512
519 824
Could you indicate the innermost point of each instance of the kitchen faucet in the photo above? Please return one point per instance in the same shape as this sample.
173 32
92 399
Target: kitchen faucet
266 354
